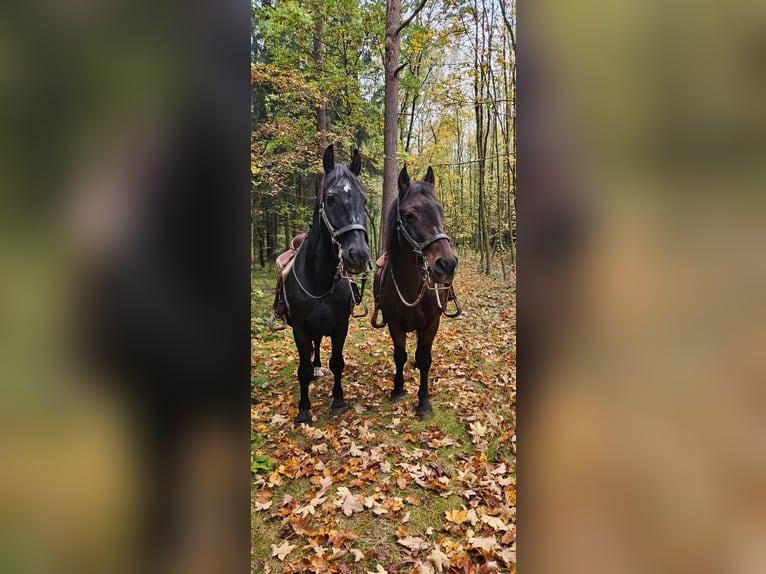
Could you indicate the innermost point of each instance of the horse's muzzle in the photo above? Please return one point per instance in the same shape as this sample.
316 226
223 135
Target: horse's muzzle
443 269
357 258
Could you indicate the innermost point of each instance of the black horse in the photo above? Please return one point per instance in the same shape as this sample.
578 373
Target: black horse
317 287
413 286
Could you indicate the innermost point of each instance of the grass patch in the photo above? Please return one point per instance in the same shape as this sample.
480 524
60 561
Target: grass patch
431 512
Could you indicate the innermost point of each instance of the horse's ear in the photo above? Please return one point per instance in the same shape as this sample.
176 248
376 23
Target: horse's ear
328 160
430 176
356 163
404 181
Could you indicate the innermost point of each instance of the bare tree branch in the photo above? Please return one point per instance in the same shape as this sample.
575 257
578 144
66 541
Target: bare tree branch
508 25
406 23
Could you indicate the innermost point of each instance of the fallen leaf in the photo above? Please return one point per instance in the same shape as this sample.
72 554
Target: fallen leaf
355 450
414 543
494 522
278 419
282 550
351 504
439 559
456 515
488 543
357 554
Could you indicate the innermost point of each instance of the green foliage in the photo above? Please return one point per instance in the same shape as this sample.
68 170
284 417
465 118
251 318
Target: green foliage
448 50
262 464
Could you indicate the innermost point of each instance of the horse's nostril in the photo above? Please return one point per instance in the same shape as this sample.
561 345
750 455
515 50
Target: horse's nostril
445 266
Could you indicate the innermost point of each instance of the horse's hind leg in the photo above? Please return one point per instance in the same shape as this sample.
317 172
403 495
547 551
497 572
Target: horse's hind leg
423 360
317 363
399 337
337 365
303 342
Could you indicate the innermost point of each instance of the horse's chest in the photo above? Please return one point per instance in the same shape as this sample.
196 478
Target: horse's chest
409 318
323 313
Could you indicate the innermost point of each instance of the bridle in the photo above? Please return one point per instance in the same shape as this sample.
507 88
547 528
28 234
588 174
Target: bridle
335 234
427 279
427 282
340 272
418 247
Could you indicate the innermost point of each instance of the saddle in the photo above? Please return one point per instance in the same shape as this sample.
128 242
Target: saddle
284 260
280 307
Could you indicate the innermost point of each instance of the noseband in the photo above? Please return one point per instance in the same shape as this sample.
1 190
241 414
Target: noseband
418 248
337 233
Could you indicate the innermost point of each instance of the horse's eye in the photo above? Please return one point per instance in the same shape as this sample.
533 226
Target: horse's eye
409 216
330 199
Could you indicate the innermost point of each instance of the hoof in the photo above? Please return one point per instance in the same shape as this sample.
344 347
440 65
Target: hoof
337 410
302 418
424 415
398 396
318 372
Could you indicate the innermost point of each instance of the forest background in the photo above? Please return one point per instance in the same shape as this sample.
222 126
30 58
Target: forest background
318 78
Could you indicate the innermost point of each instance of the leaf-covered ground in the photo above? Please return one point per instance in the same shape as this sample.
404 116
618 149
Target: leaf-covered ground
376 490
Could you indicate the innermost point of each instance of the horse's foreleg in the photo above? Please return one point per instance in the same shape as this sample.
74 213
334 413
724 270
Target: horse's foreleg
337 364
423 360
399 337
303 342
317 363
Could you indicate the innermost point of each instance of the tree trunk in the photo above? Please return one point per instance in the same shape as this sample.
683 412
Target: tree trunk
321 118
391 108
271 237
482 135
390 111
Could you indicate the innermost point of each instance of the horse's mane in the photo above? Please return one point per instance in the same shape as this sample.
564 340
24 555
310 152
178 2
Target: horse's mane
391 230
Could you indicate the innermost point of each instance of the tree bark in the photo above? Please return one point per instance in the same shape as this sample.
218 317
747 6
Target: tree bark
390 111
391 108
321 118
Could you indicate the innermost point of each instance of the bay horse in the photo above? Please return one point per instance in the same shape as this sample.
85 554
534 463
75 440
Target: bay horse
317 286
413 282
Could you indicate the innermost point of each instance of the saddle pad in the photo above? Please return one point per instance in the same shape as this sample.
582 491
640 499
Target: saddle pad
289 265
284 259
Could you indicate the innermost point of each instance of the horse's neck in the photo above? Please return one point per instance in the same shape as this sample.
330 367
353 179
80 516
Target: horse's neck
320 258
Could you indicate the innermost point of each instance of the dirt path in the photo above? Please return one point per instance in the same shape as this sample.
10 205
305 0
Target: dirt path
376 490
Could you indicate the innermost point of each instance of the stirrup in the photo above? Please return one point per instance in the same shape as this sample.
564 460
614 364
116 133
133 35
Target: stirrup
374 319
279 327
452 296
363 314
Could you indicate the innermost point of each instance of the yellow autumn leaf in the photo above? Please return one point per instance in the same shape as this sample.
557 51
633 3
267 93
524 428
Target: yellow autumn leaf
456 515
